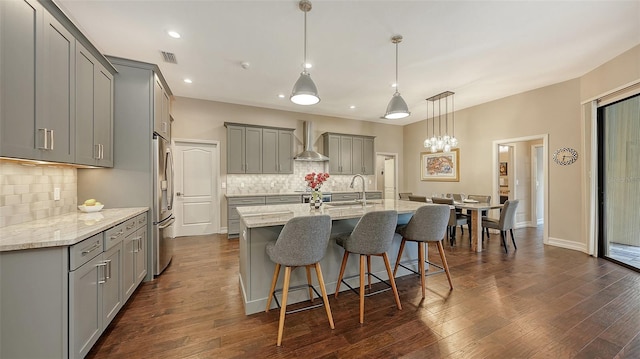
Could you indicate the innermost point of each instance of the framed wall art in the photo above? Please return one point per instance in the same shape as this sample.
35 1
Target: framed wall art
503 169
440 166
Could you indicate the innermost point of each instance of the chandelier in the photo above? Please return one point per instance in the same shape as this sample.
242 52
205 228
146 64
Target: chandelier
444 142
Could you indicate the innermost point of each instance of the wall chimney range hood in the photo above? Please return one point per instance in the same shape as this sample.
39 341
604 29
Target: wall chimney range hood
309 154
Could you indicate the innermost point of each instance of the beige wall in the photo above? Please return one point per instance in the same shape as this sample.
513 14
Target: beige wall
204 120
553 110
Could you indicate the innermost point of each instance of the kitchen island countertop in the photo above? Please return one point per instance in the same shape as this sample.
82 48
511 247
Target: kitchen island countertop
279 214
63 230
287 193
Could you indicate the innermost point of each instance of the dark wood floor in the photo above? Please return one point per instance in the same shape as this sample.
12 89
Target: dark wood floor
536 302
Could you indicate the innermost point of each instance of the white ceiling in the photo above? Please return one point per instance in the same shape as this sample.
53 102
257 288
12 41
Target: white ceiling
481 50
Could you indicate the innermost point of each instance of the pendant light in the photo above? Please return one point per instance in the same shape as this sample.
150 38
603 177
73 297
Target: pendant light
397 108
304 91
447 142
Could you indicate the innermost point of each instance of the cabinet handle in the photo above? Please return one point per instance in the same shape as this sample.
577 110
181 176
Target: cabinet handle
44 139
93 248
101 151
115 236
51 144
108 262
131 226
104 273
96 151
137 245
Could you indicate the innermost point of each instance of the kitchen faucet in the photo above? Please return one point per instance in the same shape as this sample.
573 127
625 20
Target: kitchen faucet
353 180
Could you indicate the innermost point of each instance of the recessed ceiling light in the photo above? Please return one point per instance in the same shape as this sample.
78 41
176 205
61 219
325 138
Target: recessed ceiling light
281 95
188 81
173 34
352 107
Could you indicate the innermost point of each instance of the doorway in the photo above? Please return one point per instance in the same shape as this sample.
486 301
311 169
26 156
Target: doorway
526 177
618 125
387 175
197 173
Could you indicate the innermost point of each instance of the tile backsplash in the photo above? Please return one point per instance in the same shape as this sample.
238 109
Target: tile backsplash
26 191
279 183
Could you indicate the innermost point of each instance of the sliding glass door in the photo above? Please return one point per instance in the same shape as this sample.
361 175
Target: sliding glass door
619 181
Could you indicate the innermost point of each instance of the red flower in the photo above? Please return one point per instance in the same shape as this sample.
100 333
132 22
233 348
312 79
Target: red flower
315 180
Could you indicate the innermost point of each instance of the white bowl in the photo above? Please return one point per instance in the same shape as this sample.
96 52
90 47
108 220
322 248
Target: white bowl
89 209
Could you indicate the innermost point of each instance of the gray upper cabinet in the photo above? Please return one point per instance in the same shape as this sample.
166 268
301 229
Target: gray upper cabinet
38 91
235 149
253 150
94 111
256 149
161 117
363 155
277 151
349 154
244 149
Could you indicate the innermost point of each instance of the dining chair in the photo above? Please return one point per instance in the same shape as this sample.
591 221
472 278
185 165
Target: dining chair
404 195
302 243
372 236
504 223
417 198
455 219
428 224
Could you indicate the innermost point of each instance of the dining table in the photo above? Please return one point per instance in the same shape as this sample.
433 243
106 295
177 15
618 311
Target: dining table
476 208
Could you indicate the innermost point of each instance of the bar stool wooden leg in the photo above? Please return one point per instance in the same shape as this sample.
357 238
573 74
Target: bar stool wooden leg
323 290
308 269
362 288
421 267
391 279
444 263
283 308
395 268
276 273
342 267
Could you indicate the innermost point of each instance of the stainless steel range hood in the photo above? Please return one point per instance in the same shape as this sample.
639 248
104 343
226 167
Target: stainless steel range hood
309 154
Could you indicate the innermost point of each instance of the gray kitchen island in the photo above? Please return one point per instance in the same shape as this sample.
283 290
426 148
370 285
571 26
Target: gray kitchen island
262 224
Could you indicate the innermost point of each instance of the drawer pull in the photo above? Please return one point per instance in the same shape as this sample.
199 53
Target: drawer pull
93 248
131 226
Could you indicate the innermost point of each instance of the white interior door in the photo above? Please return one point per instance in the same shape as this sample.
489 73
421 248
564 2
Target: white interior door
197 208
390 178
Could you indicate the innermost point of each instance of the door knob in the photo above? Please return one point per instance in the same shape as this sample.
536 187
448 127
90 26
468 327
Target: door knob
178 194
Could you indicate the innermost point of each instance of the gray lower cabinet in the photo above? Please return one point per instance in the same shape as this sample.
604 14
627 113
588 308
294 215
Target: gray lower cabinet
344 196
55 302
233 218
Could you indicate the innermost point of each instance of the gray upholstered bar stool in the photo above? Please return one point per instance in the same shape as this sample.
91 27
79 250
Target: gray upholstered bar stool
428 224
302 243
371 236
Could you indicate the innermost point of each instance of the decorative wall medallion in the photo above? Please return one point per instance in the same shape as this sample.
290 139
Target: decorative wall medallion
565 156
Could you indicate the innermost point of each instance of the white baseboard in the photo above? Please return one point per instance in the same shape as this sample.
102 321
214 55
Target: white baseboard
223 230
563 243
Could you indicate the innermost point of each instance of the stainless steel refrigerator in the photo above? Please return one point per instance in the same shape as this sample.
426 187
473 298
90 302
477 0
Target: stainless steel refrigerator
162 242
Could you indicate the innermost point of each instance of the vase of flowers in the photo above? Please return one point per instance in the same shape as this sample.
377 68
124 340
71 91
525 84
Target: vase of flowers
315 181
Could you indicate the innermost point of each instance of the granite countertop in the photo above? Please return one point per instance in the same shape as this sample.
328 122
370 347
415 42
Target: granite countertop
63 230
287 193
279 214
